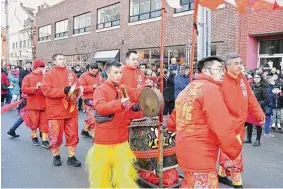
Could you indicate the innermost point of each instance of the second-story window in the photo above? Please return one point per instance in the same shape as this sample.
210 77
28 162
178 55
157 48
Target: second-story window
24 43
108 16
82 23
61 29
21 44
44 33
144 9
186 5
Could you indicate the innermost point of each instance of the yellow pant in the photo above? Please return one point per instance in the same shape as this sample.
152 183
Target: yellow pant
111 166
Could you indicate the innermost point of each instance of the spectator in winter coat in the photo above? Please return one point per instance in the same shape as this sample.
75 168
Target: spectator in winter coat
182 79
13 77
263 95
174 66
4 86
168 92
78 73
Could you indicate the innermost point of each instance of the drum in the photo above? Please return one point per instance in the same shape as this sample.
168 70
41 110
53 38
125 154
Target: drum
143 139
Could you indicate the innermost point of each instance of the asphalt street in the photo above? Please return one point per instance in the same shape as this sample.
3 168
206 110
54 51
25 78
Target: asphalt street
28 166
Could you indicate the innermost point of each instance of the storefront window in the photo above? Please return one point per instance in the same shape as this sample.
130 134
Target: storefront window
152 55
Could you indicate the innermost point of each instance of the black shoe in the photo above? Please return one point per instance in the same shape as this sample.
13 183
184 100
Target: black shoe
238 186
248 141
45 144
73 161
12 133
225 180
257 143
35 141
86 134
57 160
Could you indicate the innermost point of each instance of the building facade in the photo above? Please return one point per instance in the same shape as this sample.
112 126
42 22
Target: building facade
261 38
4 46
86 29
21 31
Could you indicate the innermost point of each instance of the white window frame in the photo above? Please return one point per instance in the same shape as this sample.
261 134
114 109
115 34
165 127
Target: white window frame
108 23
151 14
47 33
82 23
61 28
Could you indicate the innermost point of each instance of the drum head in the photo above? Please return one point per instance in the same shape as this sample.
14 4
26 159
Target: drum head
151 102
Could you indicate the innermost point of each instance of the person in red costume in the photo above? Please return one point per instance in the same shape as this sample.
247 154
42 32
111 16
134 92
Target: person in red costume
90 80
61 111
203 125
35 116
240 101
132 76
110 160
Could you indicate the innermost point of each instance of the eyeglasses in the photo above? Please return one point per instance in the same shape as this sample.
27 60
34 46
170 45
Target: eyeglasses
217 69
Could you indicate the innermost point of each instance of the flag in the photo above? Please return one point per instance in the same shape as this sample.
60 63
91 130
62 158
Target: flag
174 3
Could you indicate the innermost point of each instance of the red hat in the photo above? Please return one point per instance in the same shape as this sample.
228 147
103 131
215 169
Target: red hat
38 63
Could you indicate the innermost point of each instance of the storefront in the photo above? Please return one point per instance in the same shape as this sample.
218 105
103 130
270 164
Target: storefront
271 53
152 55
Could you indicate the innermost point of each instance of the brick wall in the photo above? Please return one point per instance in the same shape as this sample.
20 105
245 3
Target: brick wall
258 24
178 29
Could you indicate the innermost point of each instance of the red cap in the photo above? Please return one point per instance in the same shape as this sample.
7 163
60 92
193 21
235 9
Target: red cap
38 63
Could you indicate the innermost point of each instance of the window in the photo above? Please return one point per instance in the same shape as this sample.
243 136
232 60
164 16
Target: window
13 45
16 45
108 16
24 43
61 28
44 33
82 23
186 5
28 42
20 44
271 46
144 9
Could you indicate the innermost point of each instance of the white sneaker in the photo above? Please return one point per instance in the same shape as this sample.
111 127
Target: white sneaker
268 135
278 126
273 125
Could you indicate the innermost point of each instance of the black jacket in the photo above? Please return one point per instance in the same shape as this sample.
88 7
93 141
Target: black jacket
169 86
263 95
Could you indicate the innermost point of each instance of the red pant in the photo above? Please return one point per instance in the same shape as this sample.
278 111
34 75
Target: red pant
89 116
36 119
56 129
228 165
200 180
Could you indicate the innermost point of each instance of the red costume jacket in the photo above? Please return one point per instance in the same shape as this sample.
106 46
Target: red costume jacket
87 81
240 101
203 125
107 101
35 98
130 76
54 82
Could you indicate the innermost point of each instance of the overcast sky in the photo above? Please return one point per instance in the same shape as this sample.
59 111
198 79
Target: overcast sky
26 3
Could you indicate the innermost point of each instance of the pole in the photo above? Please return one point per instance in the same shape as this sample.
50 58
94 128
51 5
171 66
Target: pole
208 11
160 124
7 29
193 39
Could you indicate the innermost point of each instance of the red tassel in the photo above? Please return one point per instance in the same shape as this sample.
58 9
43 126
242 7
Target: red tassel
8 107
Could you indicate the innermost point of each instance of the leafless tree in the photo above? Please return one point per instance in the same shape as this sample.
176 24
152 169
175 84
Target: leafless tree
86 50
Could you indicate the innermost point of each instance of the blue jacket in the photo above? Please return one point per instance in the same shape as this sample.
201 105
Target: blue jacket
15 83
180 83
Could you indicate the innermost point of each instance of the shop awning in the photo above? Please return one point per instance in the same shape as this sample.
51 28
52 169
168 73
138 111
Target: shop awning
106 55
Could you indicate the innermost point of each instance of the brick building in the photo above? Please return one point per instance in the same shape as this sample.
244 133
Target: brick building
103 30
